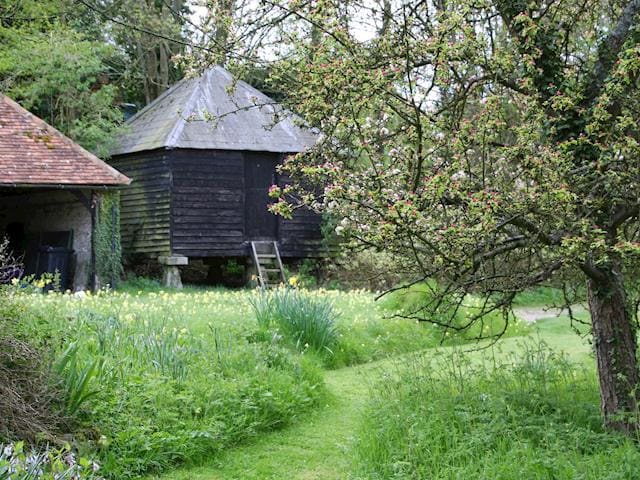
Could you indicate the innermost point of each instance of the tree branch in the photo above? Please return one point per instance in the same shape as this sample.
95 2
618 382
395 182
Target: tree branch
608 52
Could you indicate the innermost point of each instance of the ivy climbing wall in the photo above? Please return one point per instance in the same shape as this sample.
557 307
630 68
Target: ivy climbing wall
106 238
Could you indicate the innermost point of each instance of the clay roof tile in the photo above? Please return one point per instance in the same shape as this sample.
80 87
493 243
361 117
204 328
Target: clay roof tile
34 153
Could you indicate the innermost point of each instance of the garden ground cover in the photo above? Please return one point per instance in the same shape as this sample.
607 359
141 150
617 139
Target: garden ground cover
192 378
325 445
154 379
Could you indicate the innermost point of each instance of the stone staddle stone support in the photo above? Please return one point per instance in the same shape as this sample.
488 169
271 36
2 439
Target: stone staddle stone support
170 270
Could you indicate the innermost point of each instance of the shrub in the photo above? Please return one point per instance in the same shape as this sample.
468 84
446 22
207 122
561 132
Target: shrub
535 415
309 322
368 269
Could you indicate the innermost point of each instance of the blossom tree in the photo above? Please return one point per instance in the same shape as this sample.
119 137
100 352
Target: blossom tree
489 145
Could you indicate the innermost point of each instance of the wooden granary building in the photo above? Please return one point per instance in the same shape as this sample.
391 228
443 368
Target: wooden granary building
202 157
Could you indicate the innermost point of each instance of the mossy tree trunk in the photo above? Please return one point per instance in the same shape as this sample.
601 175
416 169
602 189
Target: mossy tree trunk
614 334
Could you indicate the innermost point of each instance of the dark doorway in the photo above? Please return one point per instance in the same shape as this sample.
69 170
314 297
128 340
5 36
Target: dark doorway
17 239
259 175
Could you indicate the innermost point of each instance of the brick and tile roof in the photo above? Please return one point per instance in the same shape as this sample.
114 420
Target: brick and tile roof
33 153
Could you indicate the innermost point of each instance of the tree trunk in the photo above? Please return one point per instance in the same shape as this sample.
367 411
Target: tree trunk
224 21
163 74
614 336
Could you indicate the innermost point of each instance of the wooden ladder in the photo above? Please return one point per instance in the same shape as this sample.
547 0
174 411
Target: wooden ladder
266 258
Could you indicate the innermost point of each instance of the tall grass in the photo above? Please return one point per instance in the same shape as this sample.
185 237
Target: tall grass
364 330
78 377
146 391
186 374
306 320
533 416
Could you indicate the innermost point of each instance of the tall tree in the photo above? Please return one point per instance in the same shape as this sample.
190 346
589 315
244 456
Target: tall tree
152 35
56 71
492 146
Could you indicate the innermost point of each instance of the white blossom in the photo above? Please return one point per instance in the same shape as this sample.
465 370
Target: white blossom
459 175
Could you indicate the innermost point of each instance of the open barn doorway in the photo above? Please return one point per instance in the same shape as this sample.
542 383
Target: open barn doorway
49 231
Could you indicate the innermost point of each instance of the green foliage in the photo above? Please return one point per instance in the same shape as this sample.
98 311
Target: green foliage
29 392
542 296
16 463
136 283
306 273
170 396
185 375
59 75
35 284
106 238
461 141
232 267
151 389
309 322
233 273
150 62
78 379
368 269
263 309
452 317
369 330
533 415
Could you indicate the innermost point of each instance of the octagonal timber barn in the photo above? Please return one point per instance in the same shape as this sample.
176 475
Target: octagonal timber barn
202 157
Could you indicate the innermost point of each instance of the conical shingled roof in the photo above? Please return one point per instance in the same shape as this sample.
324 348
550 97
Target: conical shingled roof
215 112
33 153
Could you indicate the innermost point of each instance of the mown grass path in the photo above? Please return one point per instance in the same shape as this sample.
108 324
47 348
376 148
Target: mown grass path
314 448
317 447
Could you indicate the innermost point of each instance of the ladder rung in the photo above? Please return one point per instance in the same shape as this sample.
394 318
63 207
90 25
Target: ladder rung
263 261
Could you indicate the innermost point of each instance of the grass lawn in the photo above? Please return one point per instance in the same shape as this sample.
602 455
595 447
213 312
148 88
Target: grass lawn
322 446
539 296
191 380
315 448
153 379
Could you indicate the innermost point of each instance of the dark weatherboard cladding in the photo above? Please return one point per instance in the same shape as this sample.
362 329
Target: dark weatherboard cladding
145 206
259 175
208 202
200 183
